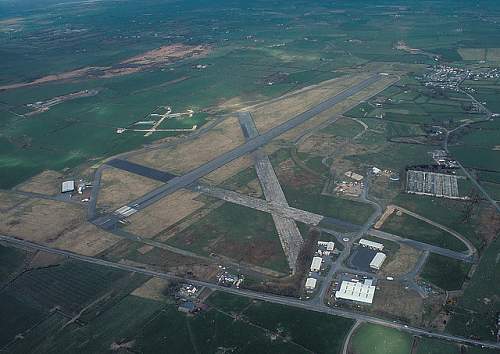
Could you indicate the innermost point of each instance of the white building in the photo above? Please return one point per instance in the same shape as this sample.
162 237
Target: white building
377 261
316 264
371 244
311 284
330 245
68 186
376 171
361 292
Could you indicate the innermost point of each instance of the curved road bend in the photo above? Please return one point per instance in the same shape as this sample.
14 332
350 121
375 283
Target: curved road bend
177 183
423 246
282 300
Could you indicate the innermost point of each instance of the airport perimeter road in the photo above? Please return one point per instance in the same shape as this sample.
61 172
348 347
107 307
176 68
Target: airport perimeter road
423 246
470 246
177 183
276 299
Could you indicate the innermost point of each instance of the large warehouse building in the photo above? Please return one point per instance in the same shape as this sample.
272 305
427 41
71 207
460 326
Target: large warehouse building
356 291
377 261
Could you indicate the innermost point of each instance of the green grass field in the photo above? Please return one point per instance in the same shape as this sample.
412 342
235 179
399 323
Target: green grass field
291 323
344 209
238 232
449 213
477 308
343 128
444 272
434 346
374 339
12 261
409 227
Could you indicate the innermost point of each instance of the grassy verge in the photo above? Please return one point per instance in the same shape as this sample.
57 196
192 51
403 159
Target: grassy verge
444 272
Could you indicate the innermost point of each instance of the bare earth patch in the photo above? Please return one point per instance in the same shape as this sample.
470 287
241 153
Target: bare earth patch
392 299
278 111
9 200
119 187
152 289
48 182
229 170
187 155
86 239
156 57
165 213
405 259
41 220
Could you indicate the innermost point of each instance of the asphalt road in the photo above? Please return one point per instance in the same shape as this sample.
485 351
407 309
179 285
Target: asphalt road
423 246
108 221
317 307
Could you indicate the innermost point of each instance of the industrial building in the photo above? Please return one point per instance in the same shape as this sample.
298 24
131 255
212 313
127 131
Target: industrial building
316 264
356 291
370 244
377 261
67 186
310 284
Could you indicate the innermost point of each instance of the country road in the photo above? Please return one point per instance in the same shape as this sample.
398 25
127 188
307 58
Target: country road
276 299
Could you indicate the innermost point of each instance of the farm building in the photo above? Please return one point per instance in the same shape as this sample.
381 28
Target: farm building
371 244
356 291
316 264
377 261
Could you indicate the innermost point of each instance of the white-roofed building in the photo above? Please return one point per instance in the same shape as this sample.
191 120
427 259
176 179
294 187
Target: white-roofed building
377 261
68 186
311 283
316 264
330 245
371 244
356 291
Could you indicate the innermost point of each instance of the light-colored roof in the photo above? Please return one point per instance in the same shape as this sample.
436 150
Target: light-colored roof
378 260
311 283
316 263
356 292
68 186
354 176
371 244
330 246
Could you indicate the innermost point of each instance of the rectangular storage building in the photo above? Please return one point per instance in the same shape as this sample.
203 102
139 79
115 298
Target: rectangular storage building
371 244
316 264
356 292
377 261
